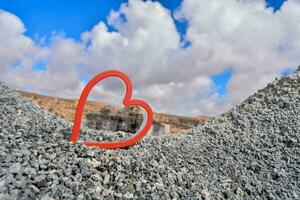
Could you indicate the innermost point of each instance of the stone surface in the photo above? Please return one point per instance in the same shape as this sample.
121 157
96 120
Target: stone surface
130 119
104 116
249 152
115 119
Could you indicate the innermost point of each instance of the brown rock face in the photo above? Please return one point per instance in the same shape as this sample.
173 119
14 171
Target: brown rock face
64 108
98 115
116 119
130 120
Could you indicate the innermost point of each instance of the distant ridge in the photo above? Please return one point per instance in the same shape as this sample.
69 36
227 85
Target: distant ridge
65 108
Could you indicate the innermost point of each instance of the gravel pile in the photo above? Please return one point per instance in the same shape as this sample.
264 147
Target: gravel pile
249 152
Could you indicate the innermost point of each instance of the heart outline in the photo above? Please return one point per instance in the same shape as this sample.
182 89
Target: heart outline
127 101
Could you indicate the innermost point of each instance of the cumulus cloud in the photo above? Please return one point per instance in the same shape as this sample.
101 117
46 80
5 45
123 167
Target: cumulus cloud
143 43
19 55
246 36
243 35
14 46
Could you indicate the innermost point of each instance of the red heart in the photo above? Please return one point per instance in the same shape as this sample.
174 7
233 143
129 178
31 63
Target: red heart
127 102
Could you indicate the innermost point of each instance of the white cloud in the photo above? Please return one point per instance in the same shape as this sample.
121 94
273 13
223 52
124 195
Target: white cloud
179 96
141 46
14 46
246 36
255 42
19 50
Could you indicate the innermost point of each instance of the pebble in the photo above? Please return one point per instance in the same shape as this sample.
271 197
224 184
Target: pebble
249 152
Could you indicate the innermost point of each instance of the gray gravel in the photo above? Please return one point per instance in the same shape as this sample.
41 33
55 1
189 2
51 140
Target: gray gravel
249 152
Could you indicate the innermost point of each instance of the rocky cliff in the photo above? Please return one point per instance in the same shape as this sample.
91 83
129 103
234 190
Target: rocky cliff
104 116
130 120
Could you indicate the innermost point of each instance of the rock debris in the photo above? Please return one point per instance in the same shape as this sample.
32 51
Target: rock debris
250 152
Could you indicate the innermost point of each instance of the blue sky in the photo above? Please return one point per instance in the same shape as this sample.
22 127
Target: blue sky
42 18
221 80
54 45
276 4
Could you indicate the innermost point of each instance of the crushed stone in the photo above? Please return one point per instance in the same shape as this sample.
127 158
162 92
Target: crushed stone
250 152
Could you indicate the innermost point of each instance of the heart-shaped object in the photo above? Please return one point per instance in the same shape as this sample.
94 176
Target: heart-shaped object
127 102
